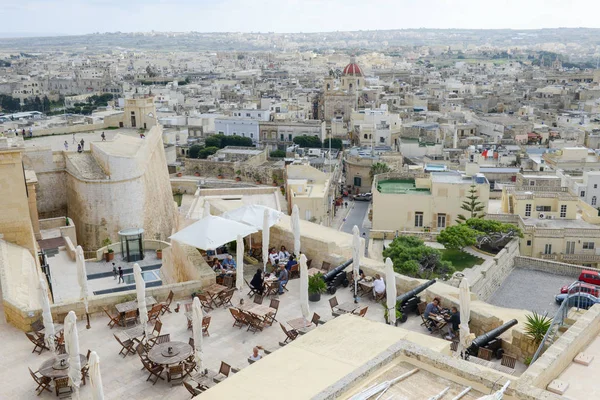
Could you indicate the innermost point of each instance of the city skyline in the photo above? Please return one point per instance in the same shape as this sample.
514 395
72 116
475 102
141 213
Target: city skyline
75 17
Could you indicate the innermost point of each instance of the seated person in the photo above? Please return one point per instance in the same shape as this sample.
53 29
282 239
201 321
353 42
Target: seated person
255 356
282 278
453 321
432 310
257 282
283 254
273 257
229 262
217 267
378 286
361 275
292 261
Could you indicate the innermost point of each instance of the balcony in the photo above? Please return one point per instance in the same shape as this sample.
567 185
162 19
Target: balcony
581 257
548 256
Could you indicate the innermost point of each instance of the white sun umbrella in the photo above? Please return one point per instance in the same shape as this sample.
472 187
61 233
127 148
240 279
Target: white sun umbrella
46 314
95 377
356 247
140 288
253 215
304 287
72 349
197 331
296 229
390 290
265 239
239 255
211 232
82 279
206 208
464 299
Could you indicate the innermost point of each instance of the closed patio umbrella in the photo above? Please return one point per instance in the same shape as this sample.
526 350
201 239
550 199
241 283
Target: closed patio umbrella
82 279
390 290
197 331
46 314
239 256
356 248
265 239
296 229
464 299
140 288
72 349
497 395
304 287
95 377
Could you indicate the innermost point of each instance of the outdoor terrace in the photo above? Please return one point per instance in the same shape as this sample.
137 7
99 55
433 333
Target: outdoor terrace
400 186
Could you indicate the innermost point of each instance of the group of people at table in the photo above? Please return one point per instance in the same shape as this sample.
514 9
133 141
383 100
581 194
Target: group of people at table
436 314
282 262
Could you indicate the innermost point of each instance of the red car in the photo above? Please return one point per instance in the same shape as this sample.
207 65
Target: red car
583 287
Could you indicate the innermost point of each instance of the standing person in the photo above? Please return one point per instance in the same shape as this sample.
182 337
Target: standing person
121 276
82 144
115 273
79 148
66 146
283 278
103 136
23 132
74 140
30 132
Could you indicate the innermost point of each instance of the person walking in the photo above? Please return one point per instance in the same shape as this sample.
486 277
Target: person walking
121 276
74 140
82 145
115 273
66 146
103 136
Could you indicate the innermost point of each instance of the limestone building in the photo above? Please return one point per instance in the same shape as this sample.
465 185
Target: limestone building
341 94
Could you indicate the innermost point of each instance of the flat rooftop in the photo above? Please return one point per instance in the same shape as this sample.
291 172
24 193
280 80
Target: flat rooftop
400 186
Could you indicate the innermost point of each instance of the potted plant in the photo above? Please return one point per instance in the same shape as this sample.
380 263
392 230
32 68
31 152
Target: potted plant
316 286
110 253
399 316
220 172
159 254
536 326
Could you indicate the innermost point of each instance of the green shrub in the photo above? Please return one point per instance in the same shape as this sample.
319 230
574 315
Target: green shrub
316 284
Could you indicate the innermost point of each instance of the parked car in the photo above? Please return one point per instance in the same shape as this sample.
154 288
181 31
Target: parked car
583 287
581 300
363 197
589 276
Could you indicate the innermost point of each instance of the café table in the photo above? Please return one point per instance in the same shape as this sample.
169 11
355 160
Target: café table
52 368
57 329
366 287
122 308
301 325
159 353
205 379
260 310
213 292
134 334
347 307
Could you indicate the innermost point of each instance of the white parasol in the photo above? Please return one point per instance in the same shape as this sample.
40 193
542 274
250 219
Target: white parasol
197 331
239 256
265 239
95 377
49 334
296 229
464 299
304 287
82 279
140 288
390 289
356 247
72 349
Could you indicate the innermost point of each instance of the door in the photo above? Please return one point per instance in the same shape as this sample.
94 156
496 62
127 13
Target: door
133 121
548 249
570 248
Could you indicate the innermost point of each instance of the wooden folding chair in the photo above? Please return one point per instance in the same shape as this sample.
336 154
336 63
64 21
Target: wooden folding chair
37 325
258 299
175 373
126 346
252 291
485 354
113 319
165 305
290 335
193 391
508 361
315 319
223 373
205 325
270 318
63 390
154 313
228 281
86 367
43 382
294 270
238 320
225 297
38 343
333 304
205 301
154 370
130 316
363 311
255 323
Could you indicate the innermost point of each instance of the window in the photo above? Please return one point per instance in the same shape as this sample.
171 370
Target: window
357 181
290 137
547 248
281 136
594 200
563 211
595 186
247 114
582 194
381 139
570 248
252 135
543 208
366 136
588 245
529 243
441 220
259 115
528 210
418 219
531 183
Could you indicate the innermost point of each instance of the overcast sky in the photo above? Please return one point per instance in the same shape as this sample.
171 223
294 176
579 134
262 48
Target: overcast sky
88 16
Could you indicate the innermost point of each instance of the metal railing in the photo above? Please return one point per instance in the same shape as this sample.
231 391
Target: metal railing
558 320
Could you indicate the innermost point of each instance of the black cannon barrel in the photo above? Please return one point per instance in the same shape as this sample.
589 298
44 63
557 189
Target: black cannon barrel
332 273
484 339
411 293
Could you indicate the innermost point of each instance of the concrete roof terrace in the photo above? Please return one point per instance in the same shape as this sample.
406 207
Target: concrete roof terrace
400 186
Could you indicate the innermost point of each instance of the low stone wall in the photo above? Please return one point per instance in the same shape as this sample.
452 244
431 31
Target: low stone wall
70 247
22 318
552 267
60 223
149 244
183 263
561 353
52 223
64 129
181 185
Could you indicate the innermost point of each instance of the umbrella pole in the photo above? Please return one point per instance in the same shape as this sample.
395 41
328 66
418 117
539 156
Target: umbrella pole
87 317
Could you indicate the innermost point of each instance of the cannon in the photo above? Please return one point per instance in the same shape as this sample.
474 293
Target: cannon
490 340
336 277
410 300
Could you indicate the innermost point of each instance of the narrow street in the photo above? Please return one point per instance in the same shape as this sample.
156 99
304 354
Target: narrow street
356 216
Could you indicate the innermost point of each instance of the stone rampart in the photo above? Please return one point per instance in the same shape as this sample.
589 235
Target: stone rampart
552 267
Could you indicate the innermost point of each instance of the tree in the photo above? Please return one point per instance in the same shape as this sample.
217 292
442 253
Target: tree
221 141
207 151
412 257
471 205
194 151
336 143
213 141
308 141
277 154
378 168
457 237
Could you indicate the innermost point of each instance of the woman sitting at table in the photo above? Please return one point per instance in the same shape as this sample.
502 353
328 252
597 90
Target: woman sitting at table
378 286
217 267
283 254
257 282
273 257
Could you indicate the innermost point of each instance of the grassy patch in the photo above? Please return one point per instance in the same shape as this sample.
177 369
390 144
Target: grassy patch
460 260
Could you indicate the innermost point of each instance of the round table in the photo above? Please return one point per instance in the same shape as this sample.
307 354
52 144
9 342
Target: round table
51 368
159 354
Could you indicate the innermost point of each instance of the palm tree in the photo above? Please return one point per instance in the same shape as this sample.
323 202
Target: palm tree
379 168
472 205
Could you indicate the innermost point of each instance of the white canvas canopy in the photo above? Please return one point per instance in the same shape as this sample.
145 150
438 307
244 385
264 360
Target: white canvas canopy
211 232
254 215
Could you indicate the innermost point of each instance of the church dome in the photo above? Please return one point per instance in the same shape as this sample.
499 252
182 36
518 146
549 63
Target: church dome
353 69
